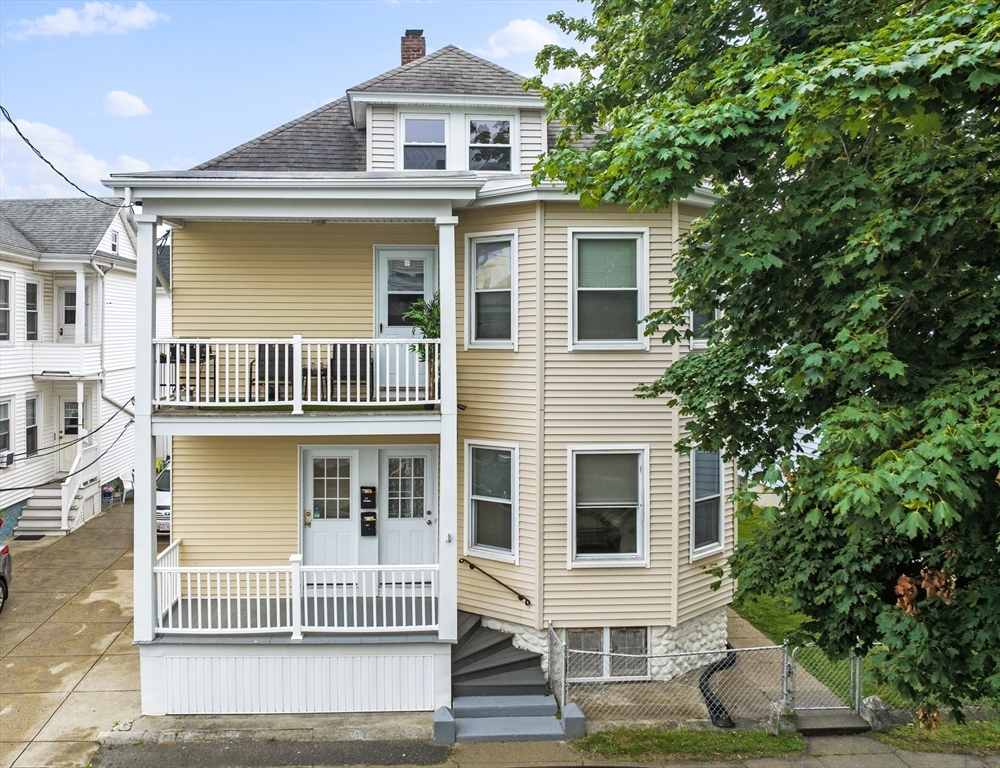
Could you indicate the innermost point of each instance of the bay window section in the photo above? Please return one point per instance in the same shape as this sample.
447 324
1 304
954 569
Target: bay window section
706 523
424 144
608 291
608 507
491 472
489 145
491 287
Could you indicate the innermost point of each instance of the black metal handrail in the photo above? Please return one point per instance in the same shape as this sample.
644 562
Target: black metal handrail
474 567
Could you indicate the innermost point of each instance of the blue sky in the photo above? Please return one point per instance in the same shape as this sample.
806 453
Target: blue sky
113 86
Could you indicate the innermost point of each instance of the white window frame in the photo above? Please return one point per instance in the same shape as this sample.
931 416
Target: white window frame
514 555
37 397
515 159
445 118
606 676
114 241
37 310
470 290
641 235
11 426
641 558
11 310
720 546
697 343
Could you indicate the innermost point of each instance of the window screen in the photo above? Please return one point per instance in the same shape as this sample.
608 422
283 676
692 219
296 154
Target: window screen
607 292
492 498
607 503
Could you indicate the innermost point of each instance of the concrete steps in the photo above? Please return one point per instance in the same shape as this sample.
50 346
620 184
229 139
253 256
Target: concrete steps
42 513
831 722
499 692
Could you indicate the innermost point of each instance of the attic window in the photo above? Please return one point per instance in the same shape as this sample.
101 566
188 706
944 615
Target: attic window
114 242
489 145
424 144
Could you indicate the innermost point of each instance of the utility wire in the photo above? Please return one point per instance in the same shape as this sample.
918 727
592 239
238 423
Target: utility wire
61 479
24 138
62 446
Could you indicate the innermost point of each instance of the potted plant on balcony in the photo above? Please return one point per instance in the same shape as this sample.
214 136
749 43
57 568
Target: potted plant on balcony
426 318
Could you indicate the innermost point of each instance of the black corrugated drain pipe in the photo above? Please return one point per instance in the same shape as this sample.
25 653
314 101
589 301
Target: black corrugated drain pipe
716 709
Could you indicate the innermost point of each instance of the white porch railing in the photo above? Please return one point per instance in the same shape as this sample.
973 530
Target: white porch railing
295 372
85 470
293 598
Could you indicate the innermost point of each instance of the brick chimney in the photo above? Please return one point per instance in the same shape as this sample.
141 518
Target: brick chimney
412 46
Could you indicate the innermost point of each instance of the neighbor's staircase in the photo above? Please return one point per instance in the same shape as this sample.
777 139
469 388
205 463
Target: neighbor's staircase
42 514
499 691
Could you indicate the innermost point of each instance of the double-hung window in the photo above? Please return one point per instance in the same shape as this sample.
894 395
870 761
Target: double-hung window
608 652
31 426
491 485
608 500
706 503
701 325
6 290
489 144
492 290
114 242
31 311
6 444
425 146
608 289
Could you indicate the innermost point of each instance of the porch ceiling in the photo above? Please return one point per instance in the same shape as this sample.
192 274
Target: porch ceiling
310 424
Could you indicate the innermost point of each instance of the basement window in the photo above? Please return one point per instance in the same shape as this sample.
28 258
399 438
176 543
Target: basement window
618 653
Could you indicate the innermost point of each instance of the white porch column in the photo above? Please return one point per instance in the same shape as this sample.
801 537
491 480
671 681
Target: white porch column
144 542
448 509
82 422
81 308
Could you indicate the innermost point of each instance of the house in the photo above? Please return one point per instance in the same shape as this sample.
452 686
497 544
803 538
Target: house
67 361
334 474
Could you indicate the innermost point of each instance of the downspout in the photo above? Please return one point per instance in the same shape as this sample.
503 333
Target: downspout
102 274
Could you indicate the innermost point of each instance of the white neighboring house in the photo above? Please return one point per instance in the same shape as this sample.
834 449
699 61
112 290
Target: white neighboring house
67 359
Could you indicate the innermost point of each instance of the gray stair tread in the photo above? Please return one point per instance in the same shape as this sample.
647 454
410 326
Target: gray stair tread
498 706
830 722
481 640
501 658
508 729
467 624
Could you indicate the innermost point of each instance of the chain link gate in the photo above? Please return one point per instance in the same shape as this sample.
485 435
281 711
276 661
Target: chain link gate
817 682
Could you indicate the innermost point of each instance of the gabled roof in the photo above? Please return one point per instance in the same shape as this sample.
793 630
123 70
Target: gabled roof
449 70
57 225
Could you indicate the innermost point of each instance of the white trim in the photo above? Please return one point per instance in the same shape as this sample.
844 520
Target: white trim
606 654
114 242
641 235
517 101
380 301
715 548
10 402
37 397
641 558
515 139
368 138
401 118
331 452
38 309
697 343
334 425
514 556
470 277
11 307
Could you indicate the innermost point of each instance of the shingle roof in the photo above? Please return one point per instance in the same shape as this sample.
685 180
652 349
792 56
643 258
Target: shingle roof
323 140
57 225
163 262
448 70
326 140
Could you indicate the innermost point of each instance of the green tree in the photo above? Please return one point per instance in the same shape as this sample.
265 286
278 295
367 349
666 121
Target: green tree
854 255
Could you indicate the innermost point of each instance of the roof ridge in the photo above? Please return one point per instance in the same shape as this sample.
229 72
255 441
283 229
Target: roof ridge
270 134
401 68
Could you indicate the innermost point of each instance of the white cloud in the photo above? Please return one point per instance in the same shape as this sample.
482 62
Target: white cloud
124 104
92 19
25 175
521 36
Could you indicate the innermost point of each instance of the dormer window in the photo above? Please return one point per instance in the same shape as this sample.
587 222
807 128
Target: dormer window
425 147
489 145
114 242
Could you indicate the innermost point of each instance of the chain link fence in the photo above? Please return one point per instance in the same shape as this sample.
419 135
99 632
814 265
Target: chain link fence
724 687
818 682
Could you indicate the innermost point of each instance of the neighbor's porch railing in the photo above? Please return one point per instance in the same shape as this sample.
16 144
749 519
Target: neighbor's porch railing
293 598
295 372
86 469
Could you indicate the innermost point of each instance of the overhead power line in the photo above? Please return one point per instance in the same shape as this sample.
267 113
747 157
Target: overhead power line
44 159
49 450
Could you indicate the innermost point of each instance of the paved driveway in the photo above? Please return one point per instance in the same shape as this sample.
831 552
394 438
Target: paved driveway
68 670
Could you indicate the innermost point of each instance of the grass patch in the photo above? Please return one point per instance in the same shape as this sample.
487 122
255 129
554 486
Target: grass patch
653 743
976 738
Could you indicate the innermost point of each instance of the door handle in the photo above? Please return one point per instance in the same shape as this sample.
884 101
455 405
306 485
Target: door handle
309 517
380 327
429 521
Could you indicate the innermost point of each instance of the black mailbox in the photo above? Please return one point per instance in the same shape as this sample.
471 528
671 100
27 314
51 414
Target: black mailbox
368 497
368 523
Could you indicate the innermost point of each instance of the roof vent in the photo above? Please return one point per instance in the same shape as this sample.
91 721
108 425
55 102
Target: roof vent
412 46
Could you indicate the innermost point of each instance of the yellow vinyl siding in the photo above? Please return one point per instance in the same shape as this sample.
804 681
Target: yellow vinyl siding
589 399
498 386
240 280
236 499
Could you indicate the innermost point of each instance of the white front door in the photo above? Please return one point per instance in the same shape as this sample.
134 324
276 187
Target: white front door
408 507
71 421
403 276
330 516
72 311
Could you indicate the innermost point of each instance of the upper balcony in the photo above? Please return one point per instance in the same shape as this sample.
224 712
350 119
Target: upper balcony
70 361
295 374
